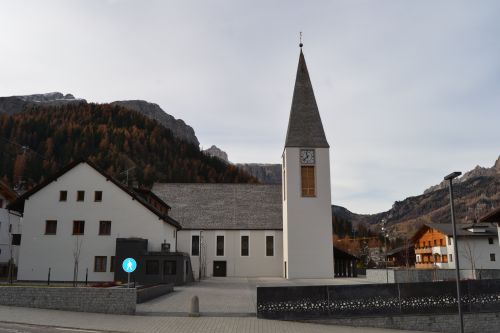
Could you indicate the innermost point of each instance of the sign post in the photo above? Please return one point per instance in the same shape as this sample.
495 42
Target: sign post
129 265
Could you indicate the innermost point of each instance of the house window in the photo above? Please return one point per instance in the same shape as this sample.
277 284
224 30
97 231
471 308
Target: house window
1 203
435 242
195 245
269 246
97 196
219 246
50 227
10 228
308 180
63 195
16 239
492 257
245 246
440 242
112 264
451 257
449 241
80 195
78 227
490 240
104 227
100 264
169 267
152 267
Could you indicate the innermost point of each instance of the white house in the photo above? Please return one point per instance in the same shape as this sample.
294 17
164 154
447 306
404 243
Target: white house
10 230
493 217
477 246
81 209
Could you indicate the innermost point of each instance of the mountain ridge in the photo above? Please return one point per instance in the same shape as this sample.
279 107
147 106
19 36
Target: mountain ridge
15 104
476 193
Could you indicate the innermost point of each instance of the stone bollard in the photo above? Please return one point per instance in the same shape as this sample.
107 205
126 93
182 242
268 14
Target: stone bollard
194 311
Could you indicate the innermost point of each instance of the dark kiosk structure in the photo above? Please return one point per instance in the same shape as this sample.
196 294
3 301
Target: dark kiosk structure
163 267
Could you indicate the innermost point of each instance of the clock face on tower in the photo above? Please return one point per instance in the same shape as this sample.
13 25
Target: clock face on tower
307 156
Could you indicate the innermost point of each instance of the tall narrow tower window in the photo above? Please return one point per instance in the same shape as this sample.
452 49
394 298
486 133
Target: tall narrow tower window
307 177
308 180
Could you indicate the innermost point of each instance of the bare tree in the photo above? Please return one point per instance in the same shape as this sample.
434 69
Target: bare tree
203 258
76 256
471 254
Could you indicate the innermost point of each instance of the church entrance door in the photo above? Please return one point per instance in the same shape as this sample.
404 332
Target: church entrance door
219 268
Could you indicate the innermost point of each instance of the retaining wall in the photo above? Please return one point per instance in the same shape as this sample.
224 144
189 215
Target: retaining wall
475 322
377 300
149 293
100 300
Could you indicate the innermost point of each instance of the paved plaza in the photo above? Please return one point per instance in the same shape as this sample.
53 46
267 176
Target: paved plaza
225 296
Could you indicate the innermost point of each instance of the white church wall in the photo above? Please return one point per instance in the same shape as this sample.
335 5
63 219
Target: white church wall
256 264
128 217
307 221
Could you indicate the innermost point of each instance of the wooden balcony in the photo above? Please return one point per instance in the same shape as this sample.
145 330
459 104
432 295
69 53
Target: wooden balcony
423 250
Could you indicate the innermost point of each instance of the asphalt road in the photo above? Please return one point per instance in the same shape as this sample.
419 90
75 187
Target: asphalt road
20 328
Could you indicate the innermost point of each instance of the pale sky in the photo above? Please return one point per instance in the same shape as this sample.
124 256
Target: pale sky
408 91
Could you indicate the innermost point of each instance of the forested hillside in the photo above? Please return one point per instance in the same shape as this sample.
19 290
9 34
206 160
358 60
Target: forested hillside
36 142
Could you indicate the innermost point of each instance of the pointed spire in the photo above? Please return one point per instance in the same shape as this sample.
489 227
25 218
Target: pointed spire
304 126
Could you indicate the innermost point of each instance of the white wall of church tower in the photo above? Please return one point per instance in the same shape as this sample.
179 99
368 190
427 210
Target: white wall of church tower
307 221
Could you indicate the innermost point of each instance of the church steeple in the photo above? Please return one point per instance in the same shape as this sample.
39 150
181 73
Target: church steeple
304 126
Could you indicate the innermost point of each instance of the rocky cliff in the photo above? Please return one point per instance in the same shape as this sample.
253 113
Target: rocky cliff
15 104
151 110
478 171
265 173
215 151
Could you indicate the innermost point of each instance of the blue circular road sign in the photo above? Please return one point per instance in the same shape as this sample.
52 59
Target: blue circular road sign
129 265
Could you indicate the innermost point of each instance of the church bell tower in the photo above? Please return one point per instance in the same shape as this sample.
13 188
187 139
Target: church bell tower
307 214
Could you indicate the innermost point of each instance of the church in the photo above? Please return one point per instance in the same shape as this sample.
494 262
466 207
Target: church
81 223
265 230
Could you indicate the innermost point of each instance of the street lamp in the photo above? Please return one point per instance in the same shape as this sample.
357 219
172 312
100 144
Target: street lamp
450 178
383 223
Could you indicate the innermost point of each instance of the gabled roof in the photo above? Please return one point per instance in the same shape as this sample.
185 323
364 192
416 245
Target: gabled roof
304 126
18 205
7 192
461 230
399 249
493 216
224 206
